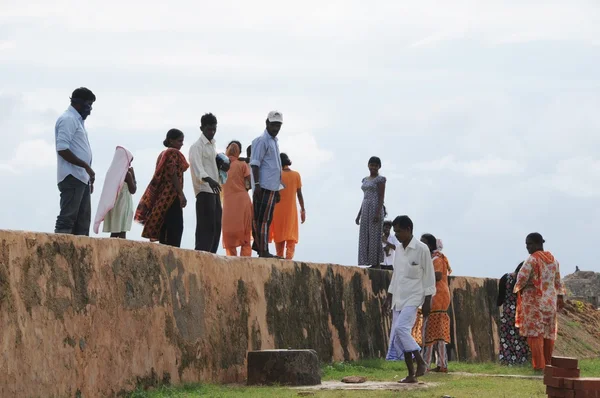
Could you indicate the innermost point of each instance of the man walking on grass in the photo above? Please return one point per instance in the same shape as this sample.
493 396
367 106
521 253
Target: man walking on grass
412 285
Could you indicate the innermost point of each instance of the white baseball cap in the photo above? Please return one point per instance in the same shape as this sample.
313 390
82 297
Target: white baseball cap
275 117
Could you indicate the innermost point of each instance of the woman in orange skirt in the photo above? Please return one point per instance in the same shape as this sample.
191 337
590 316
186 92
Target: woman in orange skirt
237 207
284 228
437 325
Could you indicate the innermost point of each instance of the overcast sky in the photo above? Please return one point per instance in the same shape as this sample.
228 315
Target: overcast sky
485 114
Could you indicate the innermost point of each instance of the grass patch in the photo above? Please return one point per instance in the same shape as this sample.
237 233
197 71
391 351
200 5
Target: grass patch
454 385
574 324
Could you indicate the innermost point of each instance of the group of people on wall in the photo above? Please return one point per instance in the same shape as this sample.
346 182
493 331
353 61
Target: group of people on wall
221 181
530 297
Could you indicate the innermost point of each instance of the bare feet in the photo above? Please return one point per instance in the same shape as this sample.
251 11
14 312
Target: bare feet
421 370
409 380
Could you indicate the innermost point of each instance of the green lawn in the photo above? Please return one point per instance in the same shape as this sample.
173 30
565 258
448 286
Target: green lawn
454 385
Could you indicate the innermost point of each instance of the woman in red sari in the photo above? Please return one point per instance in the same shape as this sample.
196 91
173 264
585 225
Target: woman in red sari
160 209
539 297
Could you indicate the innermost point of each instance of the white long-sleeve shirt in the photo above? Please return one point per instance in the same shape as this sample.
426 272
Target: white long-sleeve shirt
203 163
413 277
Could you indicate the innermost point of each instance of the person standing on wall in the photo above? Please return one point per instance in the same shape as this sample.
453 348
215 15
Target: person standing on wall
285 217
205 177
74 161
540 294
412 285
266 167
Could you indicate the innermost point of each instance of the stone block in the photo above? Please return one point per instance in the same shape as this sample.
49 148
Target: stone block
564 363
284 367
587 384
560 372
556 382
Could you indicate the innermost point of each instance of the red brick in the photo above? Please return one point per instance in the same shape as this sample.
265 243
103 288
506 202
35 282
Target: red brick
569 383
564 362
587 383
569 394
555 382
560 372
555 392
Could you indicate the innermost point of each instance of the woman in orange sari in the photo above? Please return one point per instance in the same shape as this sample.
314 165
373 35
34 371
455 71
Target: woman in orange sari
160 209
284 228
437 325
539 297
237 207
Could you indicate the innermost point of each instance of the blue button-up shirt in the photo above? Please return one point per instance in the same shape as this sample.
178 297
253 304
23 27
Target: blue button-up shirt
265 155
70 134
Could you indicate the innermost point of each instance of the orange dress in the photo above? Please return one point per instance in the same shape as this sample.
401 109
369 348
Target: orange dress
237 207
538 285
284 227
438 323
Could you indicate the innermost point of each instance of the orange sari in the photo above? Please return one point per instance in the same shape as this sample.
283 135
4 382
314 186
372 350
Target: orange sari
284 227
160 193
237 207
438 323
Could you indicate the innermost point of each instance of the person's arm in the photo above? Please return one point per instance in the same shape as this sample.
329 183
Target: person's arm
198 167
171 171
524 275
438 263
381 195
259 149
387 304
560 288
428 281
130 181
358 216
65 128
502 290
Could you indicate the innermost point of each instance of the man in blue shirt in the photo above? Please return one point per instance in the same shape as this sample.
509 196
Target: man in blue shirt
265 162
74 160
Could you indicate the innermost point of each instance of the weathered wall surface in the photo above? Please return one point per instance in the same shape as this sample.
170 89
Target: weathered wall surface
101 316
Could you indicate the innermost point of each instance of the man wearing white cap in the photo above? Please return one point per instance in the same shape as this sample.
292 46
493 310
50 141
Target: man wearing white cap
266 181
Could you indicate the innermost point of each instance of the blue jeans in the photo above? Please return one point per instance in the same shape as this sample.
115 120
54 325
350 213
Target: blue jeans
75 207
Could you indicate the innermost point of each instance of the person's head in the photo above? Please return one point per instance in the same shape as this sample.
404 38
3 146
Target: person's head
374 165
534 242
285 160
82 100
387 227
208 125
234 149
174 139
403 228
274 122
430 241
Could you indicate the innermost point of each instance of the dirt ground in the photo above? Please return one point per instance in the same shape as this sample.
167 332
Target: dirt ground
578 331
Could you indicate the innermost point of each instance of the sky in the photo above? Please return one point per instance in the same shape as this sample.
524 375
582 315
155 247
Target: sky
485 114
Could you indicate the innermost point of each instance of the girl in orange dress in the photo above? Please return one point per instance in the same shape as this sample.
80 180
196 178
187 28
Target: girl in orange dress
437 325
539 297
160 209
237 207
284 228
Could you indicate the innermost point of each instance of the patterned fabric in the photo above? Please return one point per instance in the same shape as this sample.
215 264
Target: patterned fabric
263 215
161 193
370 251
438 323
538 285
513 347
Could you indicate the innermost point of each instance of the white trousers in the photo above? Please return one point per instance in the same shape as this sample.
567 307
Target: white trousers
401 339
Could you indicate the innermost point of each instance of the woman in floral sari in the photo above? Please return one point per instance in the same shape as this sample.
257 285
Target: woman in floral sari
539 297
160 209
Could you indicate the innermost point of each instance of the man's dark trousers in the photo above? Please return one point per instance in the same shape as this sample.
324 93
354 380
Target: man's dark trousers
75 207
208 221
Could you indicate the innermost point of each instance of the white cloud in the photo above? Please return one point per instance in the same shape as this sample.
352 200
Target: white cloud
487 166
30 155
576 177
306 155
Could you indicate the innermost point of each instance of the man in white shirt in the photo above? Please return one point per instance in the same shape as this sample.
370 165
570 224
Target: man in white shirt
205 177
74 161
412 285
390 244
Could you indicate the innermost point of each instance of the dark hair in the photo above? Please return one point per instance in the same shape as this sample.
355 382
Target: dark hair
173 134
375 160
83 94
430 240
519 268
285 159
403 222
536 238
208 119
387 223
239 144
